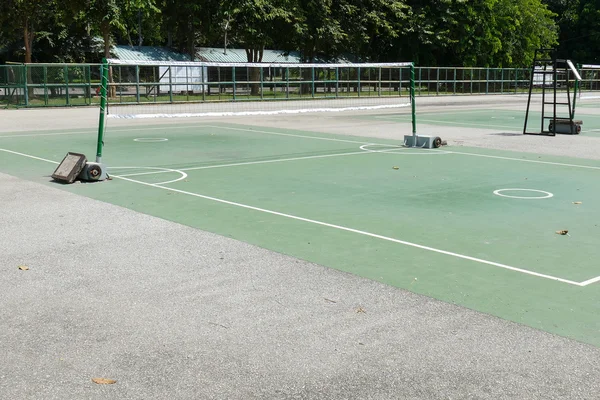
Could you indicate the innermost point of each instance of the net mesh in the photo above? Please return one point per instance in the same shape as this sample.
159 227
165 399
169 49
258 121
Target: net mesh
190 89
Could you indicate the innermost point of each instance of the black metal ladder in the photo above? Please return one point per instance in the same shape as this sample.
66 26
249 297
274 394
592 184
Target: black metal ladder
554 68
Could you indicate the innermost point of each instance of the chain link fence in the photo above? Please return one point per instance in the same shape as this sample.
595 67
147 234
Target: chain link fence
63 85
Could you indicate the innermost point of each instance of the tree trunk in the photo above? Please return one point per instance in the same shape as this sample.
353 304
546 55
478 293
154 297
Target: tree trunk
191 39
28 35
308 57
105 27
255 55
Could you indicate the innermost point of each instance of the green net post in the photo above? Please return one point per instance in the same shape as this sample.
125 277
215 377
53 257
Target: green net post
103 101
412 102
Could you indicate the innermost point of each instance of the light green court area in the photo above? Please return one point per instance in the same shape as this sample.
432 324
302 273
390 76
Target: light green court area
500 119
472 227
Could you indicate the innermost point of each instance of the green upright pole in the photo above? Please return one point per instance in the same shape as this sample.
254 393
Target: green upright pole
412 103
103 98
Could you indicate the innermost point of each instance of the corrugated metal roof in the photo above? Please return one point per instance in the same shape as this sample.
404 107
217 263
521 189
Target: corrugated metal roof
212 54
207 54
147 53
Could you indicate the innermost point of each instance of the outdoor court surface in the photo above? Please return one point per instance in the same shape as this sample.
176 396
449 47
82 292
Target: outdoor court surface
472 226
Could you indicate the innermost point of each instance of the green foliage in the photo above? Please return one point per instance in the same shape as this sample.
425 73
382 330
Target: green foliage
255 23
579 24
429 32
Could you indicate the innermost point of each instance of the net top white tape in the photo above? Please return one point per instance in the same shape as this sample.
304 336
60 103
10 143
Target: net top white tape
113 61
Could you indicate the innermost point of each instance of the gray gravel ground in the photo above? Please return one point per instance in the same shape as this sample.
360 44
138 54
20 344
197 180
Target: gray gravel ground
173 312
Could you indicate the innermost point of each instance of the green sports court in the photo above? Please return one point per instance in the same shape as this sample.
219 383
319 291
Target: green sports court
513 234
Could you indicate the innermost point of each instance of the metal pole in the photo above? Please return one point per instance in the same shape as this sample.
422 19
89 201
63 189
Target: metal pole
66 70
103 98
412 103
576 90
25 85
137 84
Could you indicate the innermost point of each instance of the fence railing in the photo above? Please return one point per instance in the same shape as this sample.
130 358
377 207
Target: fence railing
60 85
48 85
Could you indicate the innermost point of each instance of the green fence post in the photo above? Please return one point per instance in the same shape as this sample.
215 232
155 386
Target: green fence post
203 79
287 82
26 85
312 73
262 76
400 81
66 72
137 84
88 83
454 82
471 76
170 85
234 81
337 81
412 103
45 69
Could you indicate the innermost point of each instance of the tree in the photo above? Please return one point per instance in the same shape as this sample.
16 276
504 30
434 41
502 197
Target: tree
181 21
255 24
581 20
317 30
27 17
499 33
373 27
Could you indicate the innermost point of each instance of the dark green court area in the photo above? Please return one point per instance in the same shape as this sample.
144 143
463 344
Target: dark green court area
468 226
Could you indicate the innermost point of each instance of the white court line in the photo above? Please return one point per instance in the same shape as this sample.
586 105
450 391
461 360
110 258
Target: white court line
434 150
487 126
92 131
161 170
525 160
448 111
287 134
590 281
406 243
43 134
251 163
29 156
392 151
343 228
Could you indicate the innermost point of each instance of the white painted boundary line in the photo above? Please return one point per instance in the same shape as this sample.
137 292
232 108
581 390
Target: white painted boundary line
487 126
94 132
287 134
250 163
434 150
393 151
343 228
29 156
526 160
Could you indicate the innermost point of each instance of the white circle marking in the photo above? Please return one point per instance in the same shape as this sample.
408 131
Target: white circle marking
547 195
159 170
150 140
